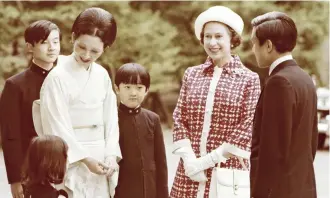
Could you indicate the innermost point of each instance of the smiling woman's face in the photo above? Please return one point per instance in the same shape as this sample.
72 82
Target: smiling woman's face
87 49
217 40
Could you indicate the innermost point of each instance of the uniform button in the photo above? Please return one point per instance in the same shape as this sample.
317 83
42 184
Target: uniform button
130 111
43 72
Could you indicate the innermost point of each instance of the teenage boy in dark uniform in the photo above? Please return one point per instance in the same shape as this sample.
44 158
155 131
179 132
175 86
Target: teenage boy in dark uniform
43 41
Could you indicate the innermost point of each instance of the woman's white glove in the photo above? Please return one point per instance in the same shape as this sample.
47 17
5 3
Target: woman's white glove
188 155
184 150
195 166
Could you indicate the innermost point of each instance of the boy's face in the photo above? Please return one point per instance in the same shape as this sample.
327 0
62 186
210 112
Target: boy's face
46 52
131 95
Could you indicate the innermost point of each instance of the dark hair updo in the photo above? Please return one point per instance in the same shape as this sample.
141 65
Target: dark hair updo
96 22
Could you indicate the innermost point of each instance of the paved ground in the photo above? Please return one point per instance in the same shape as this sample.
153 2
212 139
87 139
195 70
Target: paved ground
321 168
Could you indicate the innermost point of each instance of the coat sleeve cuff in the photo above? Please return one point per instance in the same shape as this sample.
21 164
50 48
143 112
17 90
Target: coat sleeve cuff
236 151
180 144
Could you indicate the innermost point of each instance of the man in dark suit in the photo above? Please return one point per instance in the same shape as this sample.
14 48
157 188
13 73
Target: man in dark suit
43 41
284 139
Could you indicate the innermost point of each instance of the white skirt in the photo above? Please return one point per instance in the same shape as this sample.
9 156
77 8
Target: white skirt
79 181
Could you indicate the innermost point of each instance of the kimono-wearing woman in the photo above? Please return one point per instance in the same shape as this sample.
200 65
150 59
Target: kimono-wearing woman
78 104
216 106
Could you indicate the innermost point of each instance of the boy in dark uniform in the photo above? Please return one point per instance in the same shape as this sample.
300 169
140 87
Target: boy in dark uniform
43 41
143 169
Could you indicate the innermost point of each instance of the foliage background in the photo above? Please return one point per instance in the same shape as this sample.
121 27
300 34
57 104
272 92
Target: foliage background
160 36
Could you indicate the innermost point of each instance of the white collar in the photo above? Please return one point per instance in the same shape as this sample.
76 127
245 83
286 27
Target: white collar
278 61
75 65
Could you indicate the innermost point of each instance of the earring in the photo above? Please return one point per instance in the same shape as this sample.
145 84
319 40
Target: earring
231 45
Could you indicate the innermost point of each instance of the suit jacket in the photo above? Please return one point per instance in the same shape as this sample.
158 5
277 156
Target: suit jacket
17 128
284 138
143 169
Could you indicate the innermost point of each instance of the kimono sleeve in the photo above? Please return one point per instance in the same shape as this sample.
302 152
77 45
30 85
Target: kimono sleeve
240 138
180 130
55 117
111 123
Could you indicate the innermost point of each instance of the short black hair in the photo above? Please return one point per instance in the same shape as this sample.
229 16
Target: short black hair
45 161
277 27
132 73
96 22
39 31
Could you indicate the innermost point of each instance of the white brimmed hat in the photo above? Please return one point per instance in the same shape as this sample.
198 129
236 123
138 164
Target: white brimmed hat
219 14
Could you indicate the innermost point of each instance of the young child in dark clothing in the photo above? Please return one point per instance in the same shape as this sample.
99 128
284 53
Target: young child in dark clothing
143 169
45 165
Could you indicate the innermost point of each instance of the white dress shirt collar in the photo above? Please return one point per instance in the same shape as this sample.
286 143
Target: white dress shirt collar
278 61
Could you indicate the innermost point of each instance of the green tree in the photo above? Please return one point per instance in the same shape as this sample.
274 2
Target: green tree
143 37
160 35
312 19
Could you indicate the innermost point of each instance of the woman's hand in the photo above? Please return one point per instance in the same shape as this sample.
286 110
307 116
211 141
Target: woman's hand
111 162
95 166
195 166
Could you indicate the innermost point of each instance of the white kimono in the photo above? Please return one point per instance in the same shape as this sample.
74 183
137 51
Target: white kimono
80 106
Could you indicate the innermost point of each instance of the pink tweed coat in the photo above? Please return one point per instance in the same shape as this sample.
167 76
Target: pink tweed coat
235 100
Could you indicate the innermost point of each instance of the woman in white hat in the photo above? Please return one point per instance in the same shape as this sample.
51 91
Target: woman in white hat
215 108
